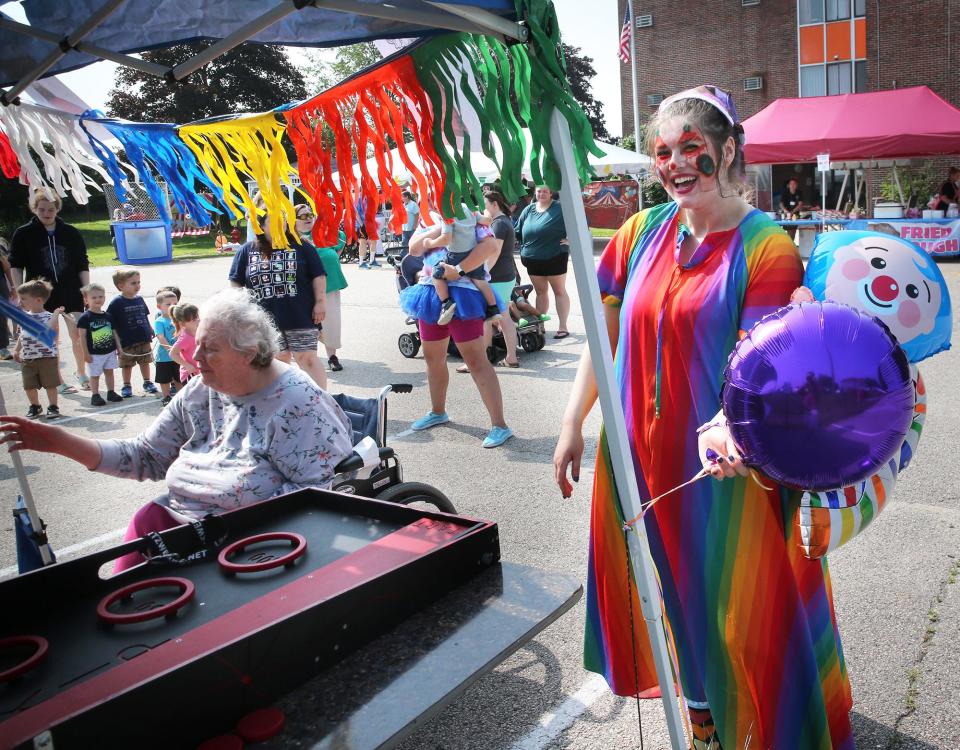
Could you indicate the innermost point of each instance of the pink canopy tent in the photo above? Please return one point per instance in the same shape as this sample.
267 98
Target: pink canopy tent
897 124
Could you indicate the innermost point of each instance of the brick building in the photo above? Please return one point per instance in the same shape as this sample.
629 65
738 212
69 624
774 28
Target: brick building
762 50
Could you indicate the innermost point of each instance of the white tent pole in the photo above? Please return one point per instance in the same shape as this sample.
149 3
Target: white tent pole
581 253
843 188
484 18
896 179
27 495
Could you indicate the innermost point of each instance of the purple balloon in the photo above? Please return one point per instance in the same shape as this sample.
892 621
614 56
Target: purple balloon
818 396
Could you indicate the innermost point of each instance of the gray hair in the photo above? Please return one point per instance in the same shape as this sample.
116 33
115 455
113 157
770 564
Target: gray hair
234 316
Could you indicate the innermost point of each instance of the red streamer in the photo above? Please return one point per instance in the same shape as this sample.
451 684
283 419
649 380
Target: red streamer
9 163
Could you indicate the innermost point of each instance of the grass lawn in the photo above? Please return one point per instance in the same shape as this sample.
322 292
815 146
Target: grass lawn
100 249
603 233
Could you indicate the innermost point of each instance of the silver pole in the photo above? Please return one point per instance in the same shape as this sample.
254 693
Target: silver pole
633 79
581 253
27 495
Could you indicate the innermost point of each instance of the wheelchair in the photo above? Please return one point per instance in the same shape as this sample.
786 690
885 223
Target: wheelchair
368 417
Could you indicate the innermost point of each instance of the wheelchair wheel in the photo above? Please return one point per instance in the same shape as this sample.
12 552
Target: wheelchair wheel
409 345
493 355
529 341
417 494
541 341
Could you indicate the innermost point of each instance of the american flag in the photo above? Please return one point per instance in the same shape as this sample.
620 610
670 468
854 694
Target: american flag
625 36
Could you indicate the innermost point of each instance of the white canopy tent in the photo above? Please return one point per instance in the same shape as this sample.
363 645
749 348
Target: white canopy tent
616 161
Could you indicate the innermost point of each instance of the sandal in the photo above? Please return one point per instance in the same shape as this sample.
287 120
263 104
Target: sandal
511 364
65 388
464 369
561 334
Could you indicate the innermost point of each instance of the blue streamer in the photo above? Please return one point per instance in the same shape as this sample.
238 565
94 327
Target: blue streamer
157 146
28 323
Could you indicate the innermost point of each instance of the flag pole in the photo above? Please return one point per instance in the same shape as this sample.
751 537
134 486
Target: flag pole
633 79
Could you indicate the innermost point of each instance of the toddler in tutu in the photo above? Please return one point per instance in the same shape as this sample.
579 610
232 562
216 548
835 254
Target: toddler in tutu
459 238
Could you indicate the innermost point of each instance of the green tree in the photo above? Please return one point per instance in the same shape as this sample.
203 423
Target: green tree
580 73
248 78
322 73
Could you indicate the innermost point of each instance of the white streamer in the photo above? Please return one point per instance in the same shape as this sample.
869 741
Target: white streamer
30 127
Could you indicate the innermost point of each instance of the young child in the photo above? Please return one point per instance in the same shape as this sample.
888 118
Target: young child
166 370
98 344
186 318
131 323
176 293
40 367
459 238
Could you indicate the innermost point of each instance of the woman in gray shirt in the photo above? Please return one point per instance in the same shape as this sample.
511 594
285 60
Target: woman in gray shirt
248 429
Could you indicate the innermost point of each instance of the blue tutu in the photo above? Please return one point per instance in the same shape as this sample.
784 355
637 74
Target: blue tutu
422 302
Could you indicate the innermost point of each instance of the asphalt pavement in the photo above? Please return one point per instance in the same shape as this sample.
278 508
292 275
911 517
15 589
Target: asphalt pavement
897 587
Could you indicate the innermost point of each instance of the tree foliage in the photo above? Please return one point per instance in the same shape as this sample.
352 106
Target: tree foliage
580 73
322 73
248 78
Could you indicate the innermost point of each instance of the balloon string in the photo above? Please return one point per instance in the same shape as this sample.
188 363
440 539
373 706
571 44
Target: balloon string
650 503
754 476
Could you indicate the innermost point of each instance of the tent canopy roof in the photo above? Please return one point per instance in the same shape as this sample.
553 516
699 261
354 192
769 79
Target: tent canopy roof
131 26
901 123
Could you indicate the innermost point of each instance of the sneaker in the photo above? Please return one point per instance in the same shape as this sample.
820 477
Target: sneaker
375 264
5 355
522 322
114 396
497 436
173 389
126 391
492 313
334 363
97 400
53 412
166 400
363 265
150 388
431 420
544 317
447 311
34 411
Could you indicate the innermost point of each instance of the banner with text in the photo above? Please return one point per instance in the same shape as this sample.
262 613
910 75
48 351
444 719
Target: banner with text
937 237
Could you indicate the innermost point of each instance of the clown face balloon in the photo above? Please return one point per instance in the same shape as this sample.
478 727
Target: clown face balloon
889 278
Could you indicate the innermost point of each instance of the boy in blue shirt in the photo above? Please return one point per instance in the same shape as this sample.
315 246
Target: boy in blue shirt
131 323
165 369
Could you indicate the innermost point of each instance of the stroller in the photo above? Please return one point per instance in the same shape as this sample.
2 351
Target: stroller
531 337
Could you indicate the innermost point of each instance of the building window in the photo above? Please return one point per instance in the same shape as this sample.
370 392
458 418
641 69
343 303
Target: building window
838 78
859 8
812 81
811 11
860 68
838 10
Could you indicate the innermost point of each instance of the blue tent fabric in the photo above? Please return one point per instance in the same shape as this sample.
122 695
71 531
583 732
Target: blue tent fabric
141 25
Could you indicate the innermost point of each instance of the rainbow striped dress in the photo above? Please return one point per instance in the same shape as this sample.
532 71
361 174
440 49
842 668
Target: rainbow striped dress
751 617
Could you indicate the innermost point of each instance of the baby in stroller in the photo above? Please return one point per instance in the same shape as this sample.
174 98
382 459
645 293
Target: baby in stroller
459 238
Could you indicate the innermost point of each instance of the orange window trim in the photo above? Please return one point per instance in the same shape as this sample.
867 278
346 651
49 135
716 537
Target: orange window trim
811 44
860 32
838 41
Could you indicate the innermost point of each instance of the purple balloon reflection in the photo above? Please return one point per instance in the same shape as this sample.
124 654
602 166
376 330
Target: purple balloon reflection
818 396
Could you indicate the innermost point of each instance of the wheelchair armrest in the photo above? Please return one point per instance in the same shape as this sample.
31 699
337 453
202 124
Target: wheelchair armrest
354 462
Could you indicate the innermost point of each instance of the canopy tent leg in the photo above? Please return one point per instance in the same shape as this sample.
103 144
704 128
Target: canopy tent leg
64 45
843 188
484 18
41 538
896 179
581 253
858 185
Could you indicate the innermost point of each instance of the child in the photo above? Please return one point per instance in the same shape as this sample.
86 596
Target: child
40 366
131 322
176 293
165 368
460 237
186 318
98 344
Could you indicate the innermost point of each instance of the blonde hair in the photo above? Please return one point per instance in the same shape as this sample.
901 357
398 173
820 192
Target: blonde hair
39 288
92 287
166 294
123 275
43 194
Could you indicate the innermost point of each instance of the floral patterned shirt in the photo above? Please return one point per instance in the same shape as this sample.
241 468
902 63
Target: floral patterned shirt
221 452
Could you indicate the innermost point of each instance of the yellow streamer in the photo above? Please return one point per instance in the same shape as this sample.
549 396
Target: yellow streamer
247 145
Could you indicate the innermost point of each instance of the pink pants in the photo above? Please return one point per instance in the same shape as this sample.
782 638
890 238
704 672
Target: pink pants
151 517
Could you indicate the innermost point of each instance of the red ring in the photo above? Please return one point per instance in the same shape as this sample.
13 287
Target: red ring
187 591
299 542
31 661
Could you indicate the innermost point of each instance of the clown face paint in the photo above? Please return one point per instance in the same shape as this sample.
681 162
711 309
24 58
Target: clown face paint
882 277
684 161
